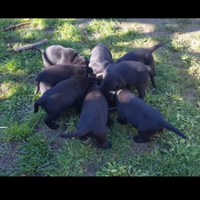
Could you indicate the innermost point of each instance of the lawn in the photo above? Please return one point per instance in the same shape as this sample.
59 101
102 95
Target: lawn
29 148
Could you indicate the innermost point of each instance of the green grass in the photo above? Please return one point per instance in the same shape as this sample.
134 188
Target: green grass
29 147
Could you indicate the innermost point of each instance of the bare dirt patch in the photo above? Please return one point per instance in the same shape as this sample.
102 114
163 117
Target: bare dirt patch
82 22
7 156
190 95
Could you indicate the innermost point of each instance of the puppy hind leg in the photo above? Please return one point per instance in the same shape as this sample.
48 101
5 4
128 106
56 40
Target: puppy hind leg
160 130
143 136
141 90
153 81
101 140
48 120
153 68
50 124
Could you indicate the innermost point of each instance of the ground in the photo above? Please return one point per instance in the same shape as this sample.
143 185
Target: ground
39 152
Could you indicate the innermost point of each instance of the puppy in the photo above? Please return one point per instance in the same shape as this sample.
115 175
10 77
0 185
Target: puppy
146 119
52 75
63 95
93 119
100 58
124 75
141 55
57 54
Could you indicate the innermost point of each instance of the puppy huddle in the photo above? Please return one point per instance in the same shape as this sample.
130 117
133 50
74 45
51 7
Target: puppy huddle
95 87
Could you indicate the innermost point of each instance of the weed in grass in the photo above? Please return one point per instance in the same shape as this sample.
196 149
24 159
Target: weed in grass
69 32
161 162
179 45
73 158
17 132
17 98
113 169
34 156
101 28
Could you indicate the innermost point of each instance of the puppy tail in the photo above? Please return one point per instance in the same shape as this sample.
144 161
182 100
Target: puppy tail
36 106
153 48
38 49
81 132
151 74
38 102
37 83
168 126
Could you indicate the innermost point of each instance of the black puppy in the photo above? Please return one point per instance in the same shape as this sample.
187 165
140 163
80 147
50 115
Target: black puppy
124 75
100 58
146 119
52 75
63 95
57 54
141 55
93 119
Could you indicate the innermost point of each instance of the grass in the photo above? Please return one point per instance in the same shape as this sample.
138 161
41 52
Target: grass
29 148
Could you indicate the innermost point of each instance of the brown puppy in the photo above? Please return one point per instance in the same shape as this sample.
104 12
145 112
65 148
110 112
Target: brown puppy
57 54
63 95
100 58
93 119
141 55
146 119
52 75
124 75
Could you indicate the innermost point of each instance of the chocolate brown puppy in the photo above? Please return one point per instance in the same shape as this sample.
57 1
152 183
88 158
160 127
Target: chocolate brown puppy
52 75
124 75
63 95
57 54
141 55
100 58
143 117
93 119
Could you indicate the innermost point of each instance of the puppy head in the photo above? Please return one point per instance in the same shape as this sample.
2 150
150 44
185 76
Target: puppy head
110 85
109 88
88 70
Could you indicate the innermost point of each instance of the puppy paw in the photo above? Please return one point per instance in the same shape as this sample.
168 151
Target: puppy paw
104 145
160 131
138 139
53 126
108 145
